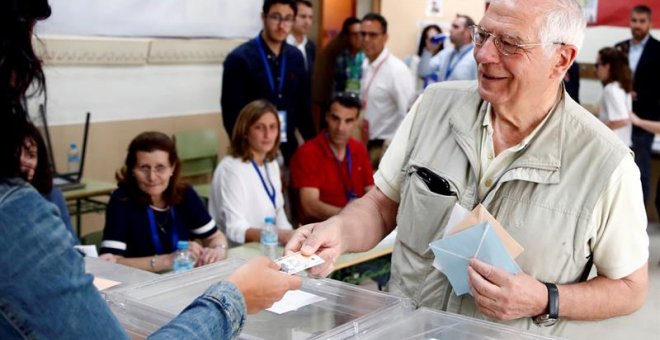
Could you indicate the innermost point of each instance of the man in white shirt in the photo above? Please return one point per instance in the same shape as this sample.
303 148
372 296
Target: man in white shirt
299 31
386 86
458 63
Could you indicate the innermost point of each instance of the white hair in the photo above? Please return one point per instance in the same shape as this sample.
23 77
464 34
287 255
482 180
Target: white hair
563 23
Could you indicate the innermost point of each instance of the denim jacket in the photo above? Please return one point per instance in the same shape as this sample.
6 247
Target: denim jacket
45 292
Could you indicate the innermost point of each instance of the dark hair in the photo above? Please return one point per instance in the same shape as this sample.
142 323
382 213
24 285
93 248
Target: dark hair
19 68
43 175
376 17
304 2
350 21
468 21
347 99
619 70
422 39
642 9
269 3
250 114
148 142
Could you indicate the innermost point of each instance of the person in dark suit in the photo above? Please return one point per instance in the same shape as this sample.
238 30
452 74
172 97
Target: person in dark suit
298 36
643 55
266 67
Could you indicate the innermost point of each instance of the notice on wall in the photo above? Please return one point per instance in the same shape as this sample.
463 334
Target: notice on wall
154 18
434 8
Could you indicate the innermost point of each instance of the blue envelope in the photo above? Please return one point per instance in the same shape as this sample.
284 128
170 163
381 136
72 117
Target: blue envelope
480 241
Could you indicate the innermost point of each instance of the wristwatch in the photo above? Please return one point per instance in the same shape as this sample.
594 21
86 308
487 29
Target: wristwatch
552 316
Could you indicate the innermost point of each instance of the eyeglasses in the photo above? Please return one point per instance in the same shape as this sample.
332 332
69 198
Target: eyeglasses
160 170
277 18
371 35
504 44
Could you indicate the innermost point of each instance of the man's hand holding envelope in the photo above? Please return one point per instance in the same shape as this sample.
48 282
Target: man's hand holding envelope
477 255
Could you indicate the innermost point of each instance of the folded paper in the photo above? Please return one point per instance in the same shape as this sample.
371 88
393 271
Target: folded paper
454 252
480 215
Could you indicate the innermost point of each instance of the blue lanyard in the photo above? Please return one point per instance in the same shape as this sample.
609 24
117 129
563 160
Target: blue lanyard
269 73
450 68
154 231
348 191
269 191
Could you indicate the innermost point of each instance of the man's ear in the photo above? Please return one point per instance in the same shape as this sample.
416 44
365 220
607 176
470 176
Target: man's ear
564 59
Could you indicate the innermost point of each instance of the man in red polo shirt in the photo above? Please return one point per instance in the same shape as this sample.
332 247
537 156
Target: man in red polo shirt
333 168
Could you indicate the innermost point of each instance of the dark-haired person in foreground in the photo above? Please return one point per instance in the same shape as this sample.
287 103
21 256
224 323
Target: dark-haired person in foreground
44 290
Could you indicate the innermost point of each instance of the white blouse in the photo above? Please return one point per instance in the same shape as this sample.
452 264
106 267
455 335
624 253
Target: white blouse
238 200
616 104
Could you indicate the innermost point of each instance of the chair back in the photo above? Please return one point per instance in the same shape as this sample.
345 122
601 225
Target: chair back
198 152
94 238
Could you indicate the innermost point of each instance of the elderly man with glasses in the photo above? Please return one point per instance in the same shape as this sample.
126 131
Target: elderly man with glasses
556 178
266 67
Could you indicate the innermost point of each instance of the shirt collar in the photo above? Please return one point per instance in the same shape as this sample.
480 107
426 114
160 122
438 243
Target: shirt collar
642 43
383 54
292 41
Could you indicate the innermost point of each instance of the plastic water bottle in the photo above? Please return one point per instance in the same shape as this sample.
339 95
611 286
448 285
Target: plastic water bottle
438 38
184 260
269 238
73 159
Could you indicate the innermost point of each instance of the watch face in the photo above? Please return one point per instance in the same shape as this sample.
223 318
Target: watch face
544 320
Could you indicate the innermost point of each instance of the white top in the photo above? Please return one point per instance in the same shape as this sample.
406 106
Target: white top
291 40
613 223
616 104
387 89
462 63
238 200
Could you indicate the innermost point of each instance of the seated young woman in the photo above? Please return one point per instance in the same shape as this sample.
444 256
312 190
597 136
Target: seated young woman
152 210
36 170
247 186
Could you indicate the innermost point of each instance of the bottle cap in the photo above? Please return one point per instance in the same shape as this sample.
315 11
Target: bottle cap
438 38
269 219
182 245
73 146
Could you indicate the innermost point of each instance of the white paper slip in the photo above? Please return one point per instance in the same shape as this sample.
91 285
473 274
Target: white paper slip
88 250
102 284
298 262
293 300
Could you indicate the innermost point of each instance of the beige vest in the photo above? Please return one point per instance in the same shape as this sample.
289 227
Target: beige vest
545 199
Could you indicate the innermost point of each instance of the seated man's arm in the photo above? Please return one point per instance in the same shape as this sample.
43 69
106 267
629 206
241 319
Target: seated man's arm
312 206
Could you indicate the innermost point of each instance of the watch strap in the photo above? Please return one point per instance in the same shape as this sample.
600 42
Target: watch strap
553 300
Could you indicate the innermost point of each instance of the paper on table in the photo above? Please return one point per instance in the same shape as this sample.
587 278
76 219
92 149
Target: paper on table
454 252
88 250
293 300
480 215
102 284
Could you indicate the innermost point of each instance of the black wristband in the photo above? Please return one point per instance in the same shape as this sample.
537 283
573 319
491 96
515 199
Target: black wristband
553 300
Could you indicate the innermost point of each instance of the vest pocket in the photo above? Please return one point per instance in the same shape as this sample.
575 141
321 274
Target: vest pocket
423 214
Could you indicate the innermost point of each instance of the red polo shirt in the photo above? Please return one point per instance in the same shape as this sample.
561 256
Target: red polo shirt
315 166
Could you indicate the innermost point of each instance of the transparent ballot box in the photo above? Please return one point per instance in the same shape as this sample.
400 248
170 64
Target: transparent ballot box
427 323
142 308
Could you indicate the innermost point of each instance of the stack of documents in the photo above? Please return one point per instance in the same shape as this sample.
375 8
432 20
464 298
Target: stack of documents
479 236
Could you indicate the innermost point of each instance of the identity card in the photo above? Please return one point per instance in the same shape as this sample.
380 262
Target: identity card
297 262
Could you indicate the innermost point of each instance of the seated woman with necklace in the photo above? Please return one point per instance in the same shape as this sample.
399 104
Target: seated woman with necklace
246 184
152 210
